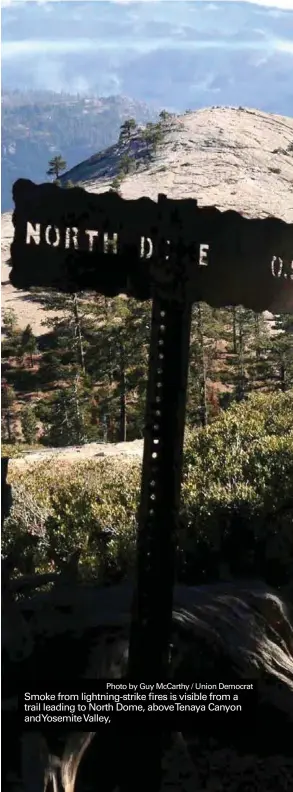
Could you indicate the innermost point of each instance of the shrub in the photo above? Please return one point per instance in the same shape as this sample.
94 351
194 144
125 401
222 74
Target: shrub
24 532
237 501
90 507
238 492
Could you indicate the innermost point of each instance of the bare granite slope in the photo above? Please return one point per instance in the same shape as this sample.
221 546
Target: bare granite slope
232 158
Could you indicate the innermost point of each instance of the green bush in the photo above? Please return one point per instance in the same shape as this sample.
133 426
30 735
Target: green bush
82 502
24 532
238 492
237 501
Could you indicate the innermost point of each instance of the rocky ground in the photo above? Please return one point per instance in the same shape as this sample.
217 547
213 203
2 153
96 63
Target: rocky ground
74 454
231 158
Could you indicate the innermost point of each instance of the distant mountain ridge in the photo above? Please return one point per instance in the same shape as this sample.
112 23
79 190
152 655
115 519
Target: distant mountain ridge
36 125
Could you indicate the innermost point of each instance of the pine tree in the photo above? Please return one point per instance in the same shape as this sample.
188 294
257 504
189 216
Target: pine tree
28 424
65 418
126 164
118 363
28 344
73 333
206 333
116 184
244 361
56 166
70 329
8 399
12 335
281 352
259 364
128 126
153 135
9 322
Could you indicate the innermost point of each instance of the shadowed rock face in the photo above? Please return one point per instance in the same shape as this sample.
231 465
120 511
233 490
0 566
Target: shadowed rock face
225 632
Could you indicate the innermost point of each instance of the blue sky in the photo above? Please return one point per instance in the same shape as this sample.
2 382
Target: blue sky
273 4
285 4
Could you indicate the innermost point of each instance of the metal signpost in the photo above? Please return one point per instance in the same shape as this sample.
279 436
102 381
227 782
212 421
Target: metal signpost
175 253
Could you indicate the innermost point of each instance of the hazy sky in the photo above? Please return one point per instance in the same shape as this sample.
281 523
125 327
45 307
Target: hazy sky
285 4
65 44
133 24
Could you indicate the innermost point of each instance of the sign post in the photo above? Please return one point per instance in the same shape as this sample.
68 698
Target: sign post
175 254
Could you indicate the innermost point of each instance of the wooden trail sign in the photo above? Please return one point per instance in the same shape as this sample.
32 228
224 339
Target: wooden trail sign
72 240
175 253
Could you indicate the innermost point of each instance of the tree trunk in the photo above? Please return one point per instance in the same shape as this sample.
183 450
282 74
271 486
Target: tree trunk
122 422
283 377
105 428
78 333
79 421
108 432
234 326
240 386
8 425
256 328
204 409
